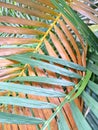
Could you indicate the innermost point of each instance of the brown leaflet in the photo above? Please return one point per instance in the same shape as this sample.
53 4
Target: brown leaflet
59 88
47 112
75 30
16 20
7 77
5 62
85 12
27 11
6 71
38 7
67 110
12 51
37 112
58 46
19 30
65 43
46 2
17 41
3 93
72 40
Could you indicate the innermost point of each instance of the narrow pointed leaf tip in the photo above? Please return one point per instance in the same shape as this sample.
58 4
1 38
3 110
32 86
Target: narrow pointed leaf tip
30 90
17 119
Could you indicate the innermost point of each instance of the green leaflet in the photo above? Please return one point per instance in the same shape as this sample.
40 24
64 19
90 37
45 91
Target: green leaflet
55 60
93 67
91 103
68 98
93 57
23 102
47 80
93 86
79 119
17 119
62 124
44 65
30 90
83 84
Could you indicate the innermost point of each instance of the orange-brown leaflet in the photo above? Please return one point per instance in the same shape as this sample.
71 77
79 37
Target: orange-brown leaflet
47 113
22 21
38 7
27 11
85 12
65 43
75 30
47 3
12 51
17 41
7 77
19 30
72 40
67 110
7 71
5 62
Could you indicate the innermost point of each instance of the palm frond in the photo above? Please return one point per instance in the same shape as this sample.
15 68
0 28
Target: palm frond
43 57
77 22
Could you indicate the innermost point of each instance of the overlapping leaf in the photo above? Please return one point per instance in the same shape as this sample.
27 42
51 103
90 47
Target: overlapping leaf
31 26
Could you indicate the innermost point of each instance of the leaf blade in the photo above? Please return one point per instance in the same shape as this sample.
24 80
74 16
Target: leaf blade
44 65
91 103
30 90
62 125
79 119
47 80
23 102
17 119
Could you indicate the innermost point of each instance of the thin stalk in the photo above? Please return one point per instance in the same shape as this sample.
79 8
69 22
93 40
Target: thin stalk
80 87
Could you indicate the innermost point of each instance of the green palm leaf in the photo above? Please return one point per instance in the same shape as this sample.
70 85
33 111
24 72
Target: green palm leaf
45 63
12 118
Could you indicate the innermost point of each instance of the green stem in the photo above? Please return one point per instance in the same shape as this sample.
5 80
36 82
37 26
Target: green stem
80 87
